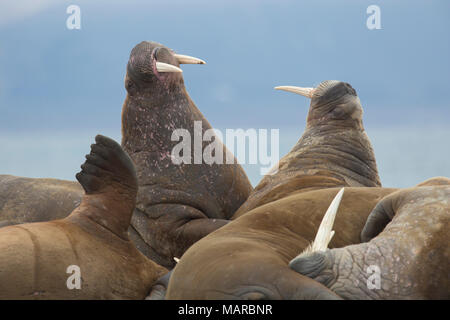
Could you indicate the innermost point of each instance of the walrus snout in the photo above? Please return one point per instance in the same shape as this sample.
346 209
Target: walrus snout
150 60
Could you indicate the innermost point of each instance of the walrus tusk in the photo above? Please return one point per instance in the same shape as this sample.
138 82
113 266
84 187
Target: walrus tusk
306 92
176 259
183 59
165 67
325 234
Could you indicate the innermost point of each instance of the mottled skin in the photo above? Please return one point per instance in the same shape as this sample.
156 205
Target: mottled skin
34 256
408 240
35 200
177 204
249 257
333 151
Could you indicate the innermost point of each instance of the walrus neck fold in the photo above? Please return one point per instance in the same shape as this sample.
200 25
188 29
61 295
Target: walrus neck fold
325 125
343 148
333 154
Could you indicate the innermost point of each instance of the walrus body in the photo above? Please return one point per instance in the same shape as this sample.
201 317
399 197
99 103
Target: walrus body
249 257
406 253
283 212
35 257
25 200
333 151
178 202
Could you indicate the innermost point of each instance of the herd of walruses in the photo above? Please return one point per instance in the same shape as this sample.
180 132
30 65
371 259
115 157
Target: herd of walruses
141 225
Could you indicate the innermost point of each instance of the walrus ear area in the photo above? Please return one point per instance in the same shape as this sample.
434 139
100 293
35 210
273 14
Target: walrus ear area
107 165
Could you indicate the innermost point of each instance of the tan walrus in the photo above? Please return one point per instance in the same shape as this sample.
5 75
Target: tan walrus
35 257
249 257
333 151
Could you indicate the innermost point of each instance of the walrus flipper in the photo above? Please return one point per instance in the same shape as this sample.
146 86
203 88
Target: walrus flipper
109 180
107 164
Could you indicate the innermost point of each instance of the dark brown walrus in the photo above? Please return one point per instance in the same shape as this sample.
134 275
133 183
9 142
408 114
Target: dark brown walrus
177 204
333 151
35 257
406 254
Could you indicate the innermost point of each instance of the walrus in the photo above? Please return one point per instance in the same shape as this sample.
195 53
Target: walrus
249 257
333 151
405 254
25 200
178 202
93 239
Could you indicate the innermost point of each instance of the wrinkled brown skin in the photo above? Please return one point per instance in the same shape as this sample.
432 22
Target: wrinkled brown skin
408 239
34 256
25 200
333 151
177 204
249 257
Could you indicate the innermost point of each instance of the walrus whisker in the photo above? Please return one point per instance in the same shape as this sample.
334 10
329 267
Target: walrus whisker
184 59
165 67
306 92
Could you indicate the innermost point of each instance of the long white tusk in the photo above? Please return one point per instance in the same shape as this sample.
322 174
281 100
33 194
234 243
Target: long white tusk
306 92
165 67
325 234
183 59
176 259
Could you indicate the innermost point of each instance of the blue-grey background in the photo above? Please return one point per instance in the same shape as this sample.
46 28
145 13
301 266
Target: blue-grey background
60 87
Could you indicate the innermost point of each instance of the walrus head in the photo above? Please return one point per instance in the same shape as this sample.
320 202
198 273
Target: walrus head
152 66
331 101
333 151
